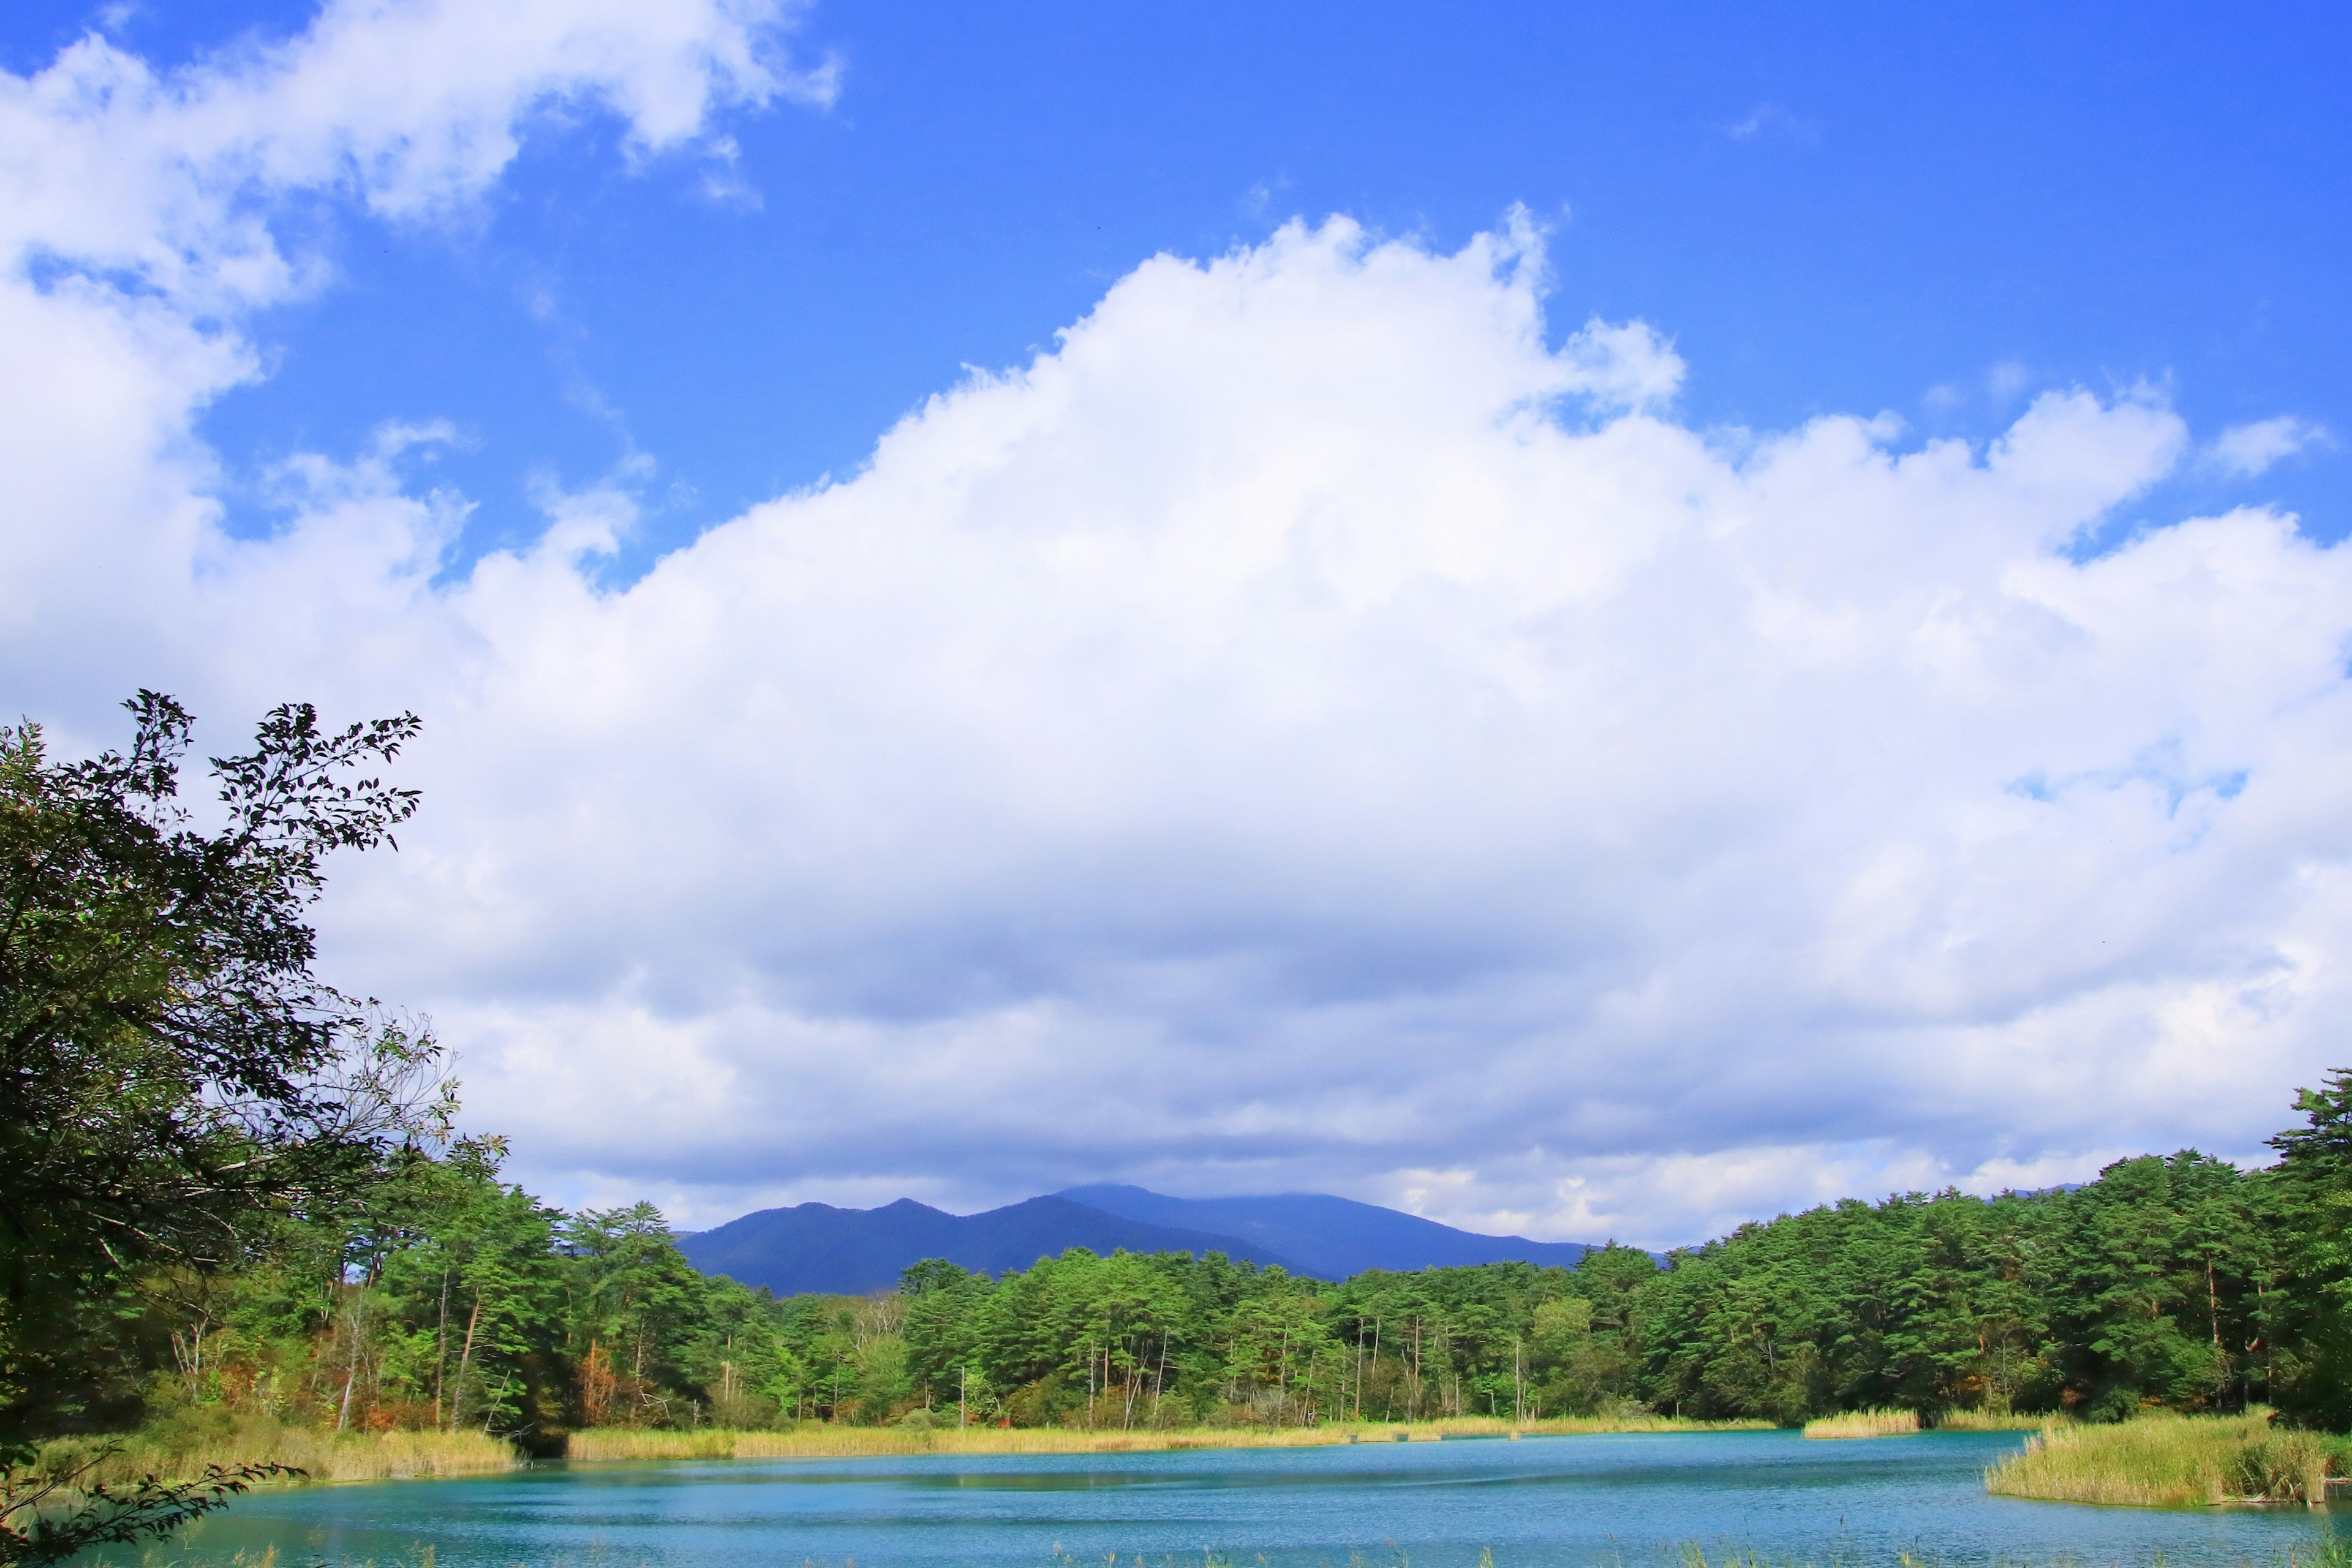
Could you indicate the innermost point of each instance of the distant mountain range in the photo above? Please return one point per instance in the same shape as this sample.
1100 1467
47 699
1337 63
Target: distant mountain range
818 1247
1327 1237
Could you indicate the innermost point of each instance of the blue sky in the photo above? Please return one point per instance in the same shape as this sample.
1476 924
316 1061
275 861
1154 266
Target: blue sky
1827 209
1582 620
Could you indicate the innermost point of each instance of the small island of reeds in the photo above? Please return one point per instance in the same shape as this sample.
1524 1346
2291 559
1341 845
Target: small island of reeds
1864 1423
2162 1461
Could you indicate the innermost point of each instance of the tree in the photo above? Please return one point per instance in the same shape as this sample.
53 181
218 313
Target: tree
2313 1197
639 1303
482 1283
943 1301
172 1073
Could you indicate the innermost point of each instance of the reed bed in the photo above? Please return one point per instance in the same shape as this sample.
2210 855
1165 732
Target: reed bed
413 1456
1583 1425
1993 1421
815 1441
1864 1423
820 1442
321 1455
2168 1461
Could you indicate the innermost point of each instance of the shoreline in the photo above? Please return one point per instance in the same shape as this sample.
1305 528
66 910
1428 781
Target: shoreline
595 1445
349 1458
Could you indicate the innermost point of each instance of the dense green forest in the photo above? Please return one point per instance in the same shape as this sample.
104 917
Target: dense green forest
229 1192
449 1298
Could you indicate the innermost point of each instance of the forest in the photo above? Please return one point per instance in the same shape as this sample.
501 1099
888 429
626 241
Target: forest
449 1298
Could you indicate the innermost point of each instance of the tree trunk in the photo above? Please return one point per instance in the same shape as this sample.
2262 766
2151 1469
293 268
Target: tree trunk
344 1414
1412 1405
458 1399
441 1346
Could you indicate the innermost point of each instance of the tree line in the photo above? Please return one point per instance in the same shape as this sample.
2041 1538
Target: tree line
443 1297
227 1190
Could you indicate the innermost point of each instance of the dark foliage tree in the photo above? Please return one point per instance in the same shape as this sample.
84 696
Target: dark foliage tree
2310 1323
172 1075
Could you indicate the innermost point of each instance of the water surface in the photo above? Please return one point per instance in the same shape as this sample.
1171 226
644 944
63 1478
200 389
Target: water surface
1633 1498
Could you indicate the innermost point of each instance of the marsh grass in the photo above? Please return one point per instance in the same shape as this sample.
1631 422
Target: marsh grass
1993 1421
321 1456
1864 1423
1896 1422
1578 1426
816 1440
171 1453
2168 1461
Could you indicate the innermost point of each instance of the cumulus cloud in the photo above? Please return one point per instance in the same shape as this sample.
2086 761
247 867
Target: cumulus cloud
140 216
2249 450
1305 732
1303 729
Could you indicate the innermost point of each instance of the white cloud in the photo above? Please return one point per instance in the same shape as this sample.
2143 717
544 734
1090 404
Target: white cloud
2249 450
136 237
1300 732
411 108
1770 120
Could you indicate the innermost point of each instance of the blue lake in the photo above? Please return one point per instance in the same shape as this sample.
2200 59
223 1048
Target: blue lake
1632 1499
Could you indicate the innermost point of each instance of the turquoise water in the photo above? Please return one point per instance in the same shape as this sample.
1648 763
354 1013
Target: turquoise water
1633 1500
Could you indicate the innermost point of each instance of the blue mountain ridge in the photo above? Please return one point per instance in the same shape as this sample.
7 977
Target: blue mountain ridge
816 1247
1329 1238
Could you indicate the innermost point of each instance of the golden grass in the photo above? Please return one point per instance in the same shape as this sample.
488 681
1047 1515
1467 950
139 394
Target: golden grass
2167 1461
1993 1421
815 1440
323 1456
820 1442
413 1456
1864 1423
1580 1426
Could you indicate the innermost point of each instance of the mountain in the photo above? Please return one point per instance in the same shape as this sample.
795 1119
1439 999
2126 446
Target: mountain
1327 1237
818 1247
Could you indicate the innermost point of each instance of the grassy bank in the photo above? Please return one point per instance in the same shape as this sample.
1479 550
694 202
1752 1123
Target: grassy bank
1864 1423
323 1455
2163 1461
819 1441
1896 1422
174 1455
1990 1421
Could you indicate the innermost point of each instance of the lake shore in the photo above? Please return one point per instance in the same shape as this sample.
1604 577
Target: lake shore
331 1457
395 1456
1856 1423
820 1441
